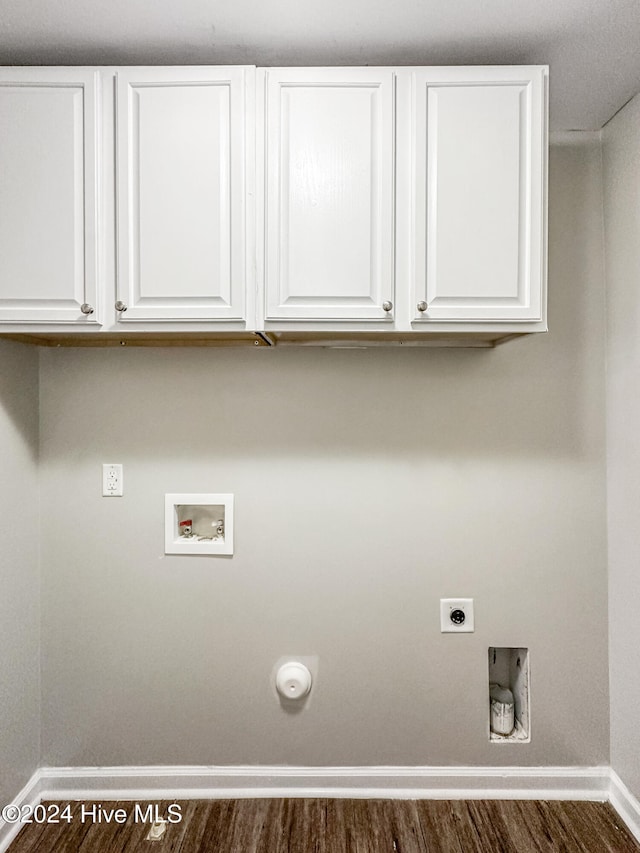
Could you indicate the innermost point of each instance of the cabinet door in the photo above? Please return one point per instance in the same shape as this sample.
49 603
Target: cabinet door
329 186
48 214
479 186
181 158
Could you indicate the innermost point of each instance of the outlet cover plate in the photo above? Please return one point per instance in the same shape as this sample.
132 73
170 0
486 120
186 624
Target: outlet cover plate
447 607
112 480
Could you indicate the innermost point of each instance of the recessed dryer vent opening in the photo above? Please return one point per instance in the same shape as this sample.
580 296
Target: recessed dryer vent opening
198 524
509 708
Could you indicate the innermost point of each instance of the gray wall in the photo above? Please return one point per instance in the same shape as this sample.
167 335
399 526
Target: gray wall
368 484
19 574
621 158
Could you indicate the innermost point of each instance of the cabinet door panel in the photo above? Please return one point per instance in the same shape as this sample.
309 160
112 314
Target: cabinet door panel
479 189
48 218
181 193
329 234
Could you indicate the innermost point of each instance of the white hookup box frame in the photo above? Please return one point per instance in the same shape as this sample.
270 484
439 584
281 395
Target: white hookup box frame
208 513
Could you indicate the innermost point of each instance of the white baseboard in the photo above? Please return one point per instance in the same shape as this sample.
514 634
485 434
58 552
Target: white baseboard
30 795
142 783
626 805
441 783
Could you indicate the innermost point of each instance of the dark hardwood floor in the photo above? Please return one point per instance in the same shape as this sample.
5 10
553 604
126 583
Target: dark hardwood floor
342 826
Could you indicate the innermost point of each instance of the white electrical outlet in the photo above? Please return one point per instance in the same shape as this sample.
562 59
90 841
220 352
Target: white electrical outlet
112 483
456 615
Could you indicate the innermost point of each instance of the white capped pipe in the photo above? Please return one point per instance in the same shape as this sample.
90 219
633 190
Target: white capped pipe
293 680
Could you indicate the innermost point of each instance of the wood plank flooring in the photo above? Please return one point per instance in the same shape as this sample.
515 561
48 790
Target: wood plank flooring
343 826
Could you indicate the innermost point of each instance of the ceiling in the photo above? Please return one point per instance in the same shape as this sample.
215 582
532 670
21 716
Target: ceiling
592 46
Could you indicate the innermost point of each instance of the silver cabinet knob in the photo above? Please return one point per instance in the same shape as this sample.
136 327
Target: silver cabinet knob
387 306
86 308
422 307
120 306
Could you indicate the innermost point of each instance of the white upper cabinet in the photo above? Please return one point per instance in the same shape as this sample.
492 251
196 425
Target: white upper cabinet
329 184
182 157
479 174
303 200
48 196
